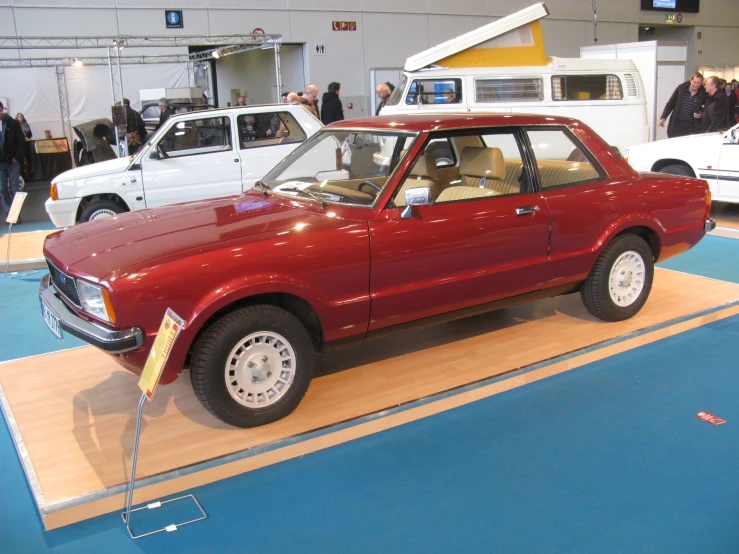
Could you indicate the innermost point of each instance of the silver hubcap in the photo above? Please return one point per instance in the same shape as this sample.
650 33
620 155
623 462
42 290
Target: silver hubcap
260 369
627 278
102 214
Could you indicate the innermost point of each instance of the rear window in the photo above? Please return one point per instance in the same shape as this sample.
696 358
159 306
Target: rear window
586 87
509 90
435 91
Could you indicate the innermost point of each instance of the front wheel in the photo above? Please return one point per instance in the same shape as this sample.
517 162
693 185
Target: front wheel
253 366
100 209
621 279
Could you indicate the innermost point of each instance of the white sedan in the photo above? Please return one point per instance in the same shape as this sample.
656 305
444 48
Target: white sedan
193 156
711 156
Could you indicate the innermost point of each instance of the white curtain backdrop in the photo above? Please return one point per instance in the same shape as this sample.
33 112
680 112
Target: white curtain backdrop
34 93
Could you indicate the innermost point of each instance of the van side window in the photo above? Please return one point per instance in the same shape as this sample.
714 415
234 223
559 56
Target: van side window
586 87
435 91
507 90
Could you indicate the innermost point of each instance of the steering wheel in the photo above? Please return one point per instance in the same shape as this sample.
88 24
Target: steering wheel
375 186
162 151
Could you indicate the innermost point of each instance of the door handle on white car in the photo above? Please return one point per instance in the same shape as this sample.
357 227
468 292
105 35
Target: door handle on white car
527 210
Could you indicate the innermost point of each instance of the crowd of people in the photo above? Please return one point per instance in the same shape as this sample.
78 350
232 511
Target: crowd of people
701 106
14 136
331 108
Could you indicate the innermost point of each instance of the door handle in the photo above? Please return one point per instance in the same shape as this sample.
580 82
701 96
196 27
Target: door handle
527 210
236 160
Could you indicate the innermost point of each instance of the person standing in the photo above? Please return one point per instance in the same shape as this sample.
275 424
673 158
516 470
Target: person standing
332 110
241 101
383 93
27 134
12 146
135 128
684 102
309 99
731 105
165 111
713 116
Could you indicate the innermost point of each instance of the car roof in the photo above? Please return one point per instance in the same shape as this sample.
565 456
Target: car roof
437 122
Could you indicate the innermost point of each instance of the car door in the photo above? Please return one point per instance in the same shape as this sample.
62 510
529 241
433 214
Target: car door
265 138
194 159
728 169
484 238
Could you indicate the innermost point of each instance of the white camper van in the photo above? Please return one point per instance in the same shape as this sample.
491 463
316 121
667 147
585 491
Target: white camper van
502 67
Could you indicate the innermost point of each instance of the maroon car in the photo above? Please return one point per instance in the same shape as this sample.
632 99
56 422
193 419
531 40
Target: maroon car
371 227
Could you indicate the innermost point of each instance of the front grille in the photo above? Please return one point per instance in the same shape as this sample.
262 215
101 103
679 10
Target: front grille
64 283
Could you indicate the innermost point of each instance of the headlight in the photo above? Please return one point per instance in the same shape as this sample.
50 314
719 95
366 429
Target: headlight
95 301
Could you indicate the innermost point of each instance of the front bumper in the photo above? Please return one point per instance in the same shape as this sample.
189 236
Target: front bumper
63 213
709 225
105 339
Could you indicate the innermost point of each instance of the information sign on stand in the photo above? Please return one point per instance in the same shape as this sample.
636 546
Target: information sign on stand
169 330
13 214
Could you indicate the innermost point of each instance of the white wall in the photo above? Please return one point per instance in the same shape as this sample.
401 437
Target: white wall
388 31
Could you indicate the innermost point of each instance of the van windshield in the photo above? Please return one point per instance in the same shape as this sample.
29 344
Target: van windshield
397 94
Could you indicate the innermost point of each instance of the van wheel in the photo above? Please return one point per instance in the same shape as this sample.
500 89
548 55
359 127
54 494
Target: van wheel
621 279
100 209
253 366
678 169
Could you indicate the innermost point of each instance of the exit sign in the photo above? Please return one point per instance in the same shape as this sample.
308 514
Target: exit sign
670 18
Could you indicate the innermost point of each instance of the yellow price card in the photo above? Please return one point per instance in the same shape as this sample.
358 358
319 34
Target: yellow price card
169 330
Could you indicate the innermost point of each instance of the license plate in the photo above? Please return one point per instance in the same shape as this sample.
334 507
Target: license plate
51 319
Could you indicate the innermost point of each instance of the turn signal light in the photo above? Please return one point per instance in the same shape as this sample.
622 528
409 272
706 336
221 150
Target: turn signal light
707 212
54 193
109 306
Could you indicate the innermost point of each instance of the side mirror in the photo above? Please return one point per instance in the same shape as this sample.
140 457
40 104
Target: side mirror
418 196
154 155
733 135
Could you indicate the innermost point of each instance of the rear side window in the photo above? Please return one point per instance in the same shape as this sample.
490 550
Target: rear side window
198 136
586 87
560 160
435 91
509 90
268 128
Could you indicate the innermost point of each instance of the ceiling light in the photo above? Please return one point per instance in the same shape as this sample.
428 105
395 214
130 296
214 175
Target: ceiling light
77 62
216 54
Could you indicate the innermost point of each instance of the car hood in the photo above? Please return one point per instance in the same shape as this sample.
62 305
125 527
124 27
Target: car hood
100 248
108 167
688 142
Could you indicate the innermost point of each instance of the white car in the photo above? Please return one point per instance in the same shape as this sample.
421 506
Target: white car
710 156
192 156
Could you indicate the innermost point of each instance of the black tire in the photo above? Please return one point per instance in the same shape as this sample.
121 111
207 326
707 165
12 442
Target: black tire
214 347
596 294
678 169
98 208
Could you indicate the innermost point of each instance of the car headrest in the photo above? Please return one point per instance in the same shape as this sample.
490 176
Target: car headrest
482 162
425 166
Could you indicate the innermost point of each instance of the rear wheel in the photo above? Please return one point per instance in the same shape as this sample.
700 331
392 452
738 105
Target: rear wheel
100 209
621 279
252 366
678 169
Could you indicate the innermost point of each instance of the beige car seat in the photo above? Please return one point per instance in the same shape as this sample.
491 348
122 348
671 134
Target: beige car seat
485 168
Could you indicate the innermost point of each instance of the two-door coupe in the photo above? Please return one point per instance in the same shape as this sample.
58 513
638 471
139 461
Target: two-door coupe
472 212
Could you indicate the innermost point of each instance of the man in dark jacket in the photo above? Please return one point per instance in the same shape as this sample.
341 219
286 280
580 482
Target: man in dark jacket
684 102
713 117
12 146
331 110
166 110
134 126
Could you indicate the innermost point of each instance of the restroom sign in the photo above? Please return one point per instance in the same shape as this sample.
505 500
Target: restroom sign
320 49
173 19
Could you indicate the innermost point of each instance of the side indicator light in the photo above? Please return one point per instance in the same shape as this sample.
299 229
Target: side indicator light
109 306
54 193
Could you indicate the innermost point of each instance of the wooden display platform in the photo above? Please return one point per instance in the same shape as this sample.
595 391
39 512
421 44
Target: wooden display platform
26 249
73 413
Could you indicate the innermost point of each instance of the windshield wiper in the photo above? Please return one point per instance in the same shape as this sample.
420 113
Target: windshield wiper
259 185
313 195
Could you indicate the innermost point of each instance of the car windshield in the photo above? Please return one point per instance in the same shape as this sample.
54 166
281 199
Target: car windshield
343 167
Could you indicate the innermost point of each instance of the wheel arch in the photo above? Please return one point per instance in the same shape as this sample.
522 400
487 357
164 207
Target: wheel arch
90 198
291 303
649 235
659 165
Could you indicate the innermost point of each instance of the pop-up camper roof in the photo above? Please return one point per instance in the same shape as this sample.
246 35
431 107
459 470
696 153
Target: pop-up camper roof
514 40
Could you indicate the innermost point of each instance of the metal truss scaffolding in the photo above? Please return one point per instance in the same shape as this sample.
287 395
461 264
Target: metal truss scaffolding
56 43
64 105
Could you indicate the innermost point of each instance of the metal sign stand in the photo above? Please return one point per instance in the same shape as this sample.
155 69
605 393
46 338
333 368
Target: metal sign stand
169 330
13 214
153 505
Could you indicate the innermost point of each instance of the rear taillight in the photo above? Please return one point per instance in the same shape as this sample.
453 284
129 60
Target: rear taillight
707 213
54 194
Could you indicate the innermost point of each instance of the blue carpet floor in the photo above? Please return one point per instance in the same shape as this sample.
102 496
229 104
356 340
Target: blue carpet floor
605 458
